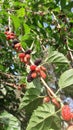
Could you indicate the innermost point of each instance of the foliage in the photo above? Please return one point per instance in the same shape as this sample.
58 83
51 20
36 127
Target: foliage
8 122
46 28
42 118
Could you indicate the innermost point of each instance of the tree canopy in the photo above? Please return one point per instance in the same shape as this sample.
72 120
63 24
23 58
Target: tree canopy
36 64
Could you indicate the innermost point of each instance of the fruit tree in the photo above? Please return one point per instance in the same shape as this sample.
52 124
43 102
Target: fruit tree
36 64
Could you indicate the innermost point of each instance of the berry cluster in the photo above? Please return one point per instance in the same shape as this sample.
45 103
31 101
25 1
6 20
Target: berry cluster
24 56
17 46
36 71
9 35
47 99
67 115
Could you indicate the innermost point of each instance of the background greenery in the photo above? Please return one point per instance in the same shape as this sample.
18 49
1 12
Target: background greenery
45 27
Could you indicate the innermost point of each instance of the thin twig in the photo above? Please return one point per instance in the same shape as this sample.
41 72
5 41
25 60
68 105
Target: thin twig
10 84
9 21
51 92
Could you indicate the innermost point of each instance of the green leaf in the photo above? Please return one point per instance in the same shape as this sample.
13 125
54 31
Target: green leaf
39 24
57 1
2 68
70 43
66 79
16 21
63 3
27 29
69 6
51 129
9 121
21 12
31 96
43 118
56 57
26 40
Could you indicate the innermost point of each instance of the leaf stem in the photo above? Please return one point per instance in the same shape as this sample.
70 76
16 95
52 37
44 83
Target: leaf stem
9 21
48 88
51 92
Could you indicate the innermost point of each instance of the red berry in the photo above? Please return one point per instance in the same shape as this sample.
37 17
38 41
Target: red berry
29 78
55 102
12 37
12 34
27 58
43 68
21 55
46 99
32 67
34 75
37 69
18 46
7 32
42 74
37 62
8 37
19 88
72 115
66 113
